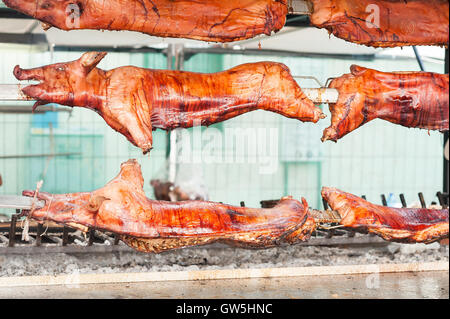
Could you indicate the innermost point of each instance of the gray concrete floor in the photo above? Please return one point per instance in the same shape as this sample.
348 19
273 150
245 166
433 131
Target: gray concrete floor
434 285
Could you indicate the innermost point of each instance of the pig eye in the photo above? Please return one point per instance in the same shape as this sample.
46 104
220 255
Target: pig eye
61 68
46 5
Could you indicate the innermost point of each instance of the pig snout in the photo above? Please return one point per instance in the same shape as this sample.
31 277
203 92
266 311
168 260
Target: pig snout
24 75
40 196
29 7
20 5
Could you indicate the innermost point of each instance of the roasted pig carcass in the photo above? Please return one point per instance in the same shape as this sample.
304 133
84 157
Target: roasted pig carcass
135 101
411 99
384 23
379 23
407 225
147 225
207 20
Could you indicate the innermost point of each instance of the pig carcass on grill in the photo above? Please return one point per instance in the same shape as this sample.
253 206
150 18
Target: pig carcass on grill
134 101
411 99
147 225
384 23
407 225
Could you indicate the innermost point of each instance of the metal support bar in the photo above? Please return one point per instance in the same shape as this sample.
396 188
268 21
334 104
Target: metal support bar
422 200
419 59
65 236
442 200
27 38
12 92
12 229
91 237
176 56
403 200
116 240
39 231
383 200
38 155
322 95
327 216
27 109
325 204
446 135
169 55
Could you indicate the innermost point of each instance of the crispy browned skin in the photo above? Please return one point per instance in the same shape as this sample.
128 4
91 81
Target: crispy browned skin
135 101
207 20
384 23
411 99
154 226
409 225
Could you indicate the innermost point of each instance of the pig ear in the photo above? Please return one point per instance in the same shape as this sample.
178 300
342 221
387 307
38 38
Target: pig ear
90 60
357 70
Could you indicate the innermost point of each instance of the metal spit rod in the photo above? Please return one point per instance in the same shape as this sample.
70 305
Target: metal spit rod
25 203
299 7
19 202
13 92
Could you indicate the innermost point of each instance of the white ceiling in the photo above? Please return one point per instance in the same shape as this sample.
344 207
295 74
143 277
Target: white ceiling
306 40
16 25
309 40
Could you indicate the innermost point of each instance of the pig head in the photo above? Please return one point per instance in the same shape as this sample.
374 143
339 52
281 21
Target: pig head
118 96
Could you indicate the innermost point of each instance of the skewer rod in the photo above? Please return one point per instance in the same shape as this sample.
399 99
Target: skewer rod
26 109
325 216
22 202
299 7
12 92
322 95
18 202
